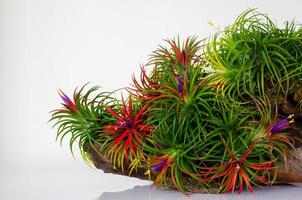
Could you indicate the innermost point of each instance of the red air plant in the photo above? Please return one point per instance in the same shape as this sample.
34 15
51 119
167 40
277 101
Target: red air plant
129 131
147 89
68 103
185 55
237 169
178 55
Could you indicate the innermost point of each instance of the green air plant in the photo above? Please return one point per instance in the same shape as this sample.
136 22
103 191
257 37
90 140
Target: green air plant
81 118
201 116
254 57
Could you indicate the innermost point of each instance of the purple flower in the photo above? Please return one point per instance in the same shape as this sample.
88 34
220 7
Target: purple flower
159 166
129 123
64 97
68 103
180 84
282 124
126 124
183 57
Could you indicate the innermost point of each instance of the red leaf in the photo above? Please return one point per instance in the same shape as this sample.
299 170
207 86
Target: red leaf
117 116
120 138
233 182
246 180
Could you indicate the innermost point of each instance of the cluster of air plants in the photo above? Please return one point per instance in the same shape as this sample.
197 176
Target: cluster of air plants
198 117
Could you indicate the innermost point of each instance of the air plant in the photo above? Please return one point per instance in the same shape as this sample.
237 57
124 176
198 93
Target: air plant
254 57
124 137
237 156
238 170
173 150
279 140
274 130
177 113
81 118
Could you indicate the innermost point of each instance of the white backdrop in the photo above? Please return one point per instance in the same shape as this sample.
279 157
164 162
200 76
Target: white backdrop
46 45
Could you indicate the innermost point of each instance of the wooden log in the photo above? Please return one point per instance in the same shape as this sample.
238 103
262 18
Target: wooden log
292 173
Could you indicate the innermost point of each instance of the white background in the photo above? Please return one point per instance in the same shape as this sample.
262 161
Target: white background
46 45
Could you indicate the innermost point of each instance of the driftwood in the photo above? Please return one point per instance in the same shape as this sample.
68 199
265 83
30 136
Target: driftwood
103 163
291 173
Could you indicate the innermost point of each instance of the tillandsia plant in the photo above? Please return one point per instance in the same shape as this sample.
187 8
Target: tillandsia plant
81 118
254 57
204 115
123 139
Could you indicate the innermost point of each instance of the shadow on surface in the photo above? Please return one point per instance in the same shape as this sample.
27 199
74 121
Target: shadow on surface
275 192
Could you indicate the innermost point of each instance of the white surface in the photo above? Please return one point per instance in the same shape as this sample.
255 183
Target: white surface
61 184
46 45
93 185
148 193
